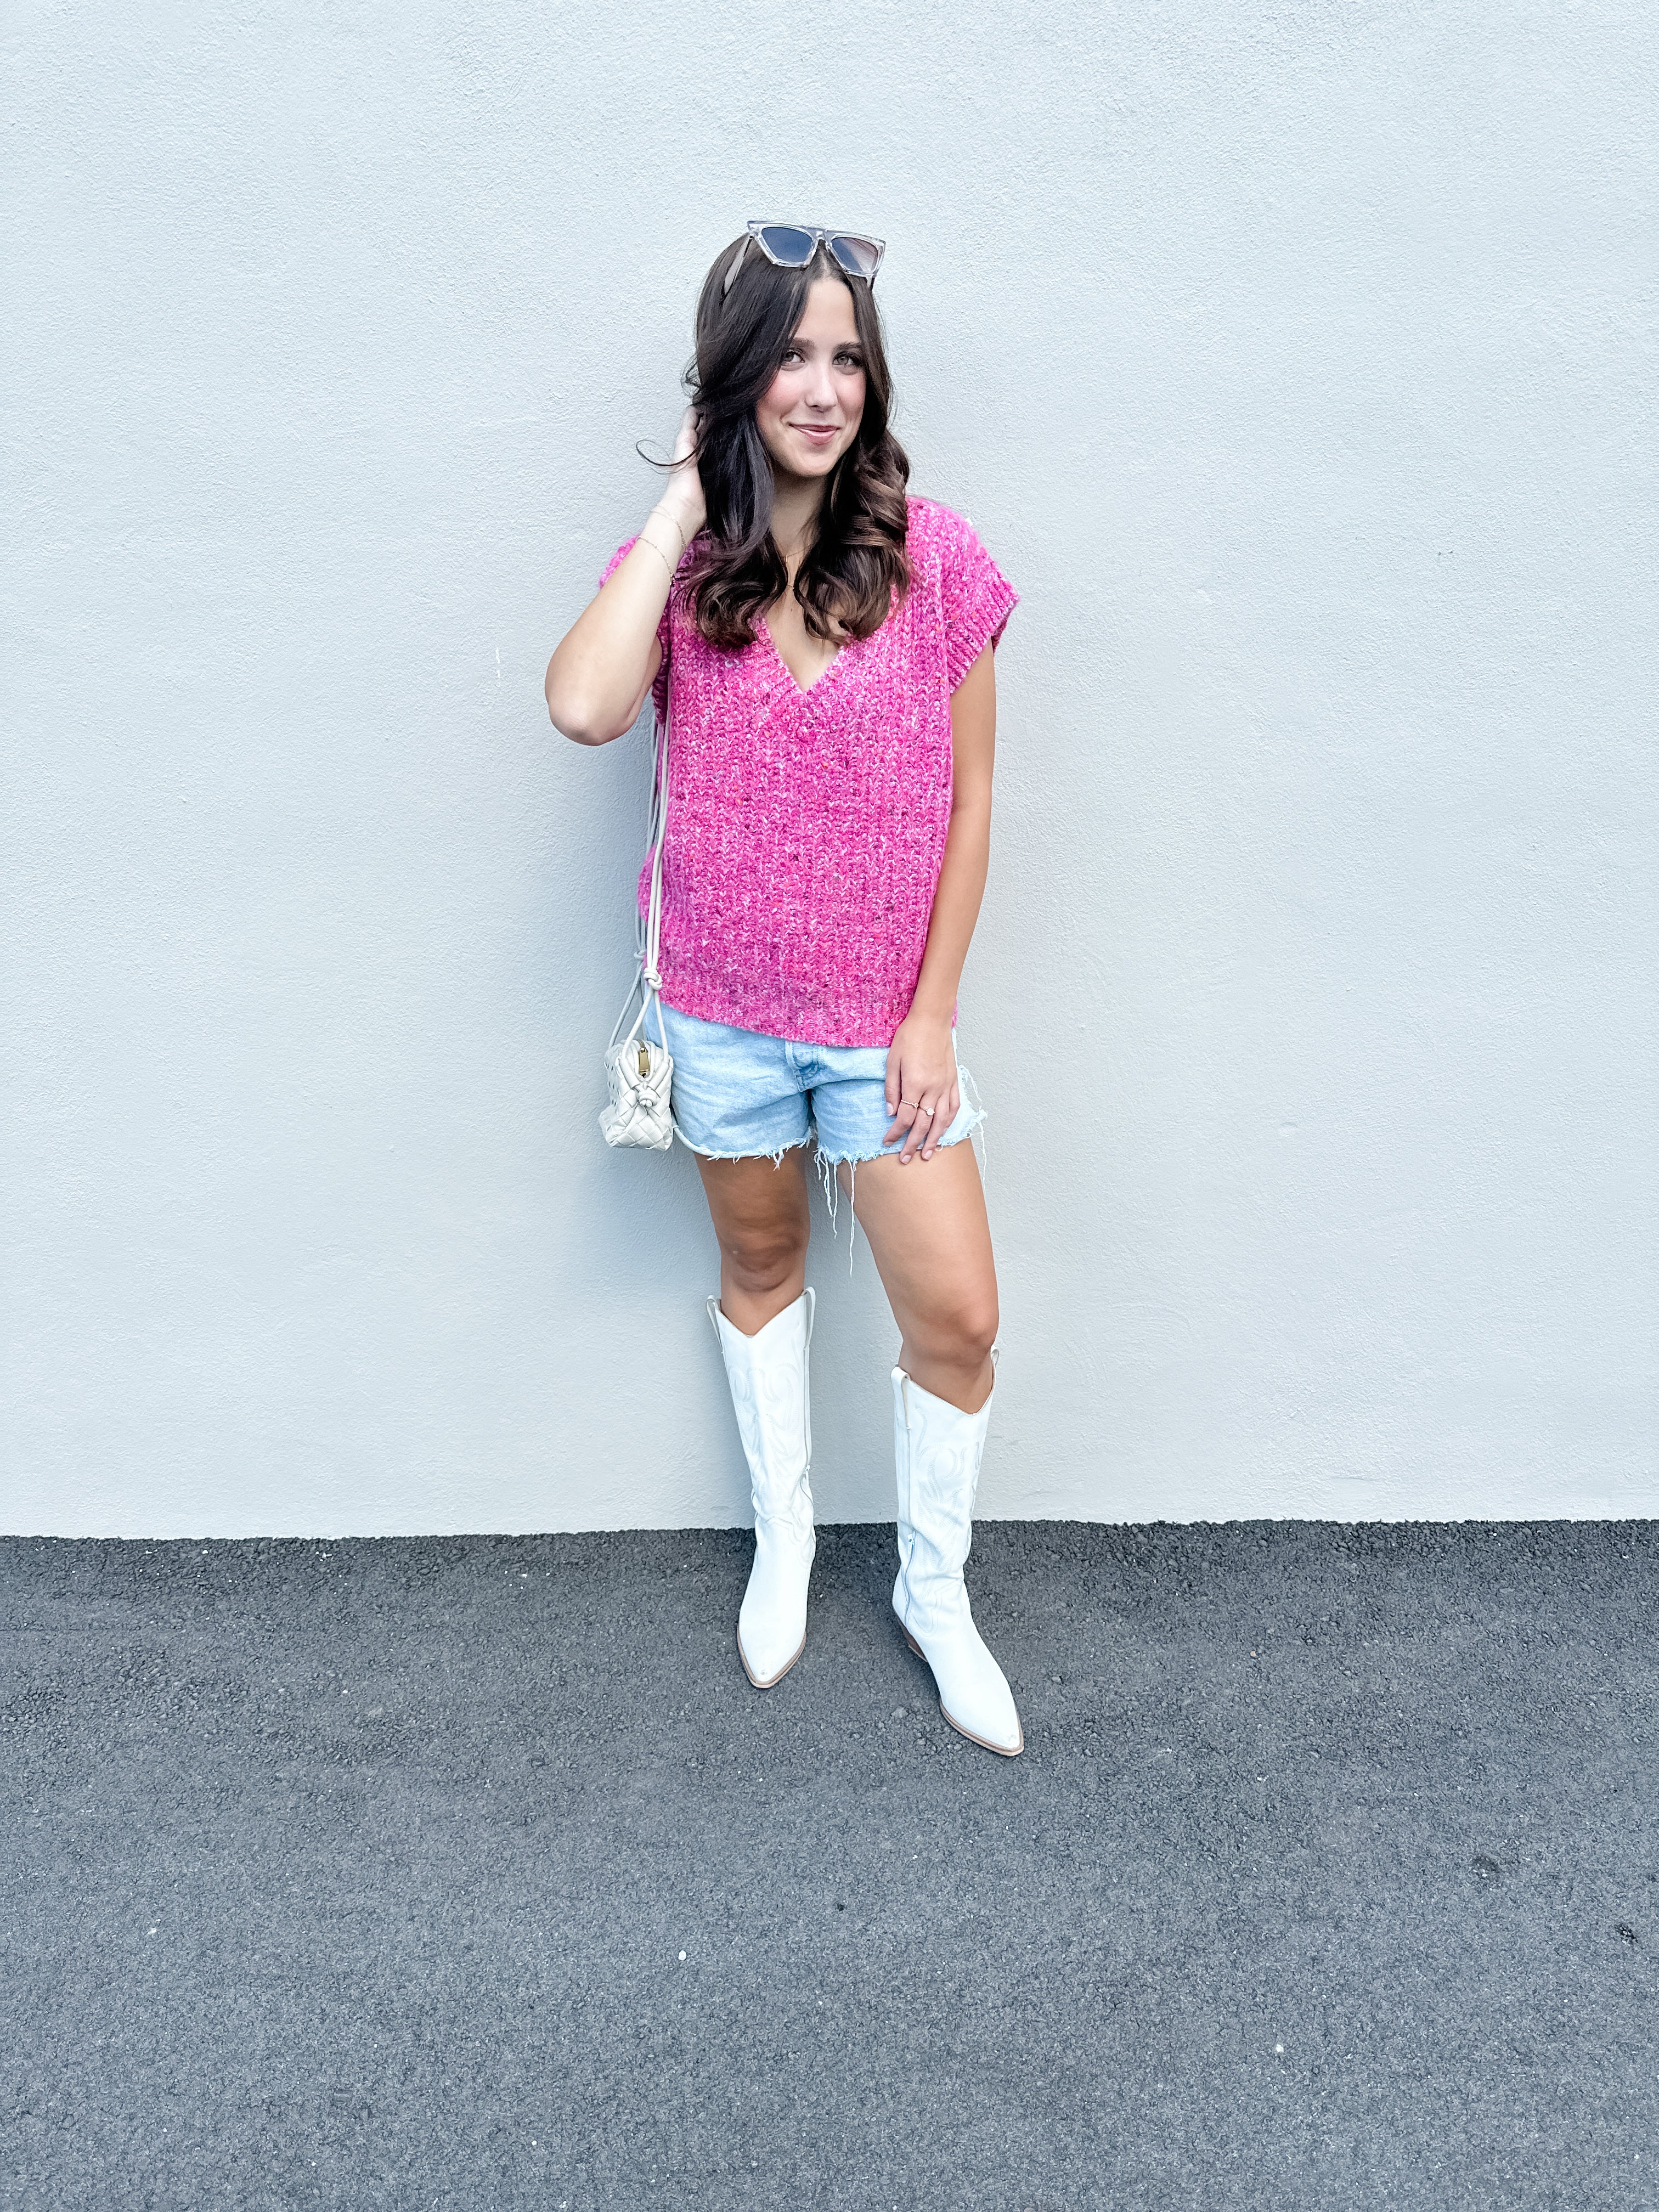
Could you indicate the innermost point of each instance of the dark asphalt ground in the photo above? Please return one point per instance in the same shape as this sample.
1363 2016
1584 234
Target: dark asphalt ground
471 1872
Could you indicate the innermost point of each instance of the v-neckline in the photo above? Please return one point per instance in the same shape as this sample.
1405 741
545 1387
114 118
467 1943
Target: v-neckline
805 690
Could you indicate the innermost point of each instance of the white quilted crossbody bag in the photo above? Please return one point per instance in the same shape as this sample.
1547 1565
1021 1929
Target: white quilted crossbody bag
637 1072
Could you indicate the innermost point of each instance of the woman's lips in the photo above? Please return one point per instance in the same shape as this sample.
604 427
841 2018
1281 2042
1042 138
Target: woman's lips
819 432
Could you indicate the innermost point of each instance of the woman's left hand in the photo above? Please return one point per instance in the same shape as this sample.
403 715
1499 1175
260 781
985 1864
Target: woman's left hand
922 1091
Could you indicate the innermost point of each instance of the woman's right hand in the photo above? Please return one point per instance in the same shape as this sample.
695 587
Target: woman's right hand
683 498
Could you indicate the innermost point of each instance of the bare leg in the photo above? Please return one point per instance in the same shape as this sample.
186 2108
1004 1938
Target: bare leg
927 1227
761 1219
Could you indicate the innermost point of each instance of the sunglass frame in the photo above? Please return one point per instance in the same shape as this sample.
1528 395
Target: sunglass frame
819 237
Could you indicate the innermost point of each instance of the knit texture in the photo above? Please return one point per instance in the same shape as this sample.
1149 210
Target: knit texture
807 828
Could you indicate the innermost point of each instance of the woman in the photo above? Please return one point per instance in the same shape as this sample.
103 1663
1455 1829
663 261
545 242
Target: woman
829 645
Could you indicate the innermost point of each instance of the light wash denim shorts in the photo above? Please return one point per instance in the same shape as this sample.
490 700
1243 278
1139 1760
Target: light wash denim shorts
738 1093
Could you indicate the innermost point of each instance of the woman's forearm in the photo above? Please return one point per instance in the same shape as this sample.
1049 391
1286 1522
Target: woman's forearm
961 883
601 669
956 899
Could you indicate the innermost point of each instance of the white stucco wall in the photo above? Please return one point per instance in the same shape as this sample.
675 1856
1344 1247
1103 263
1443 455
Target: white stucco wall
1290 360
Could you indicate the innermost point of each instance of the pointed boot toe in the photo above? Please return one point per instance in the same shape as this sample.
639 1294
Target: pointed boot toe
973 1691
772 1620
989 1743
766 1667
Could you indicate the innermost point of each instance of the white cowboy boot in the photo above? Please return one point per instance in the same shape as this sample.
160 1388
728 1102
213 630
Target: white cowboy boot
937 1447
770 1391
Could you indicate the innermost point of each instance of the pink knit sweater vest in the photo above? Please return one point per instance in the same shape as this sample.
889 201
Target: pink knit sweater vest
807 828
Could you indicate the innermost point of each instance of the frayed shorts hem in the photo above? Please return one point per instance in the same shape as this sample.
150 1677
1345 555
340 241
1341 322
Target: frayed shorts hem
959 1129
776 1158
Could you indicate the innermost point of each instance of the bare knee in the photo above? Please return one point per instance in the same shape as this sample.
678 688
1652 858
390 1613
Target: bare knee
763 1261
957 1334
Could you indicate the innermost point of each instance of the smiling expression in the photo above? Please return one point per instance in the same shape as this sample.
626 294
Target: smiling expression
810 414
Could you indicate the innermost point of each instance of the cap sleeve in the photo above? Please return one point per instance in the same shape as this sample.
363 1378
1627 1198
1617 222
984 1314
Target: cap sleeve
665 627
977 598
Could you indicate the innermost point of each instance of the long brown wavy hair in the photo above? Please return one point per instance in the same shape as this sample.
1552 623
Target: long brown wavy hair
856 569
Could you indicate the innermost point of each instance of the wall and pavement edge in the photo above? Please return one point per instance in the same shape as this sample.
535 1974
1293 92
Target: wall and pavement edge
1290 361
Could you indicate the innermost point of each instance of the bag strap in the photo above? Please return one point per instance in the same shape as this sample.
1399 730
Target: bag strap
655 829
647 927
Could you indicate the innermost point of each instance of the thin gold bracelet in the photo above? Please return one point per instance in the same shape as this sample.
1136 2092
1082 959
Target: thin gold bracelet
643 540
672 525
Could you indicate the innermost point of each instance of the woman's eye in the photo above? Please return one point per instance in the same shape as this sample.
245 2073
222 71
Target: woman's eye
849 361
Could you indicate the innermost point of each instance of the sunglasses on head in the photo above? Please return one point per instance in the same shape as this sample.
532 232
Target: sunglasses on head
792 246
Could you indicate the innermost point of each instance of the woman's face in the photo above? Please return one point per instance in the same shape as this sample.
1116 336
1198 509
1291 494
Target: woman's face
810 414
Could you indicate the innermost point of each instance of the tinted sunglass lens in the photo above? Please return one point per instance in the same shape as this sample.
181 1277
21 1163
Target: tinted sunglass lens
794 248
859 256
